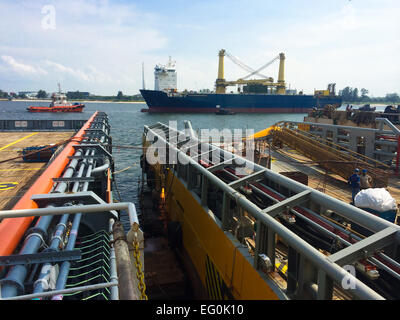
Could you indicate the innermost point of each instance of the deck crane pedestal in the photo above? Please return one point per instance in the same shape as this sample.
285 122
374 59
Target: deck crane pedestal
221 83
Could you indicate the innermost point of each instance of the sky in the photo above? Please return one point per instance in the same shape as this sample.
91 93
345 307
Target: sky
99 46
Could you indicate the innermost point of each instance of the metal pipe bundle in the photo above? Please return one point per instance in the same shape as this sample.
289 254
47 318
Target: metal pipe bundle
13 283
56 239
320 261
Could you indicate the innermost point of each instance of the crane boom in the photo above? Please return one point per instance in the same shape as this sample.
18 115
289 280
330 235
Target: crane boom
261 68
244 66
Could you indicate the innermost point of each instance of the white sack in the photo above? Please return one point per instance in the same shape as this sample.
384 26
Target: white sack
378 199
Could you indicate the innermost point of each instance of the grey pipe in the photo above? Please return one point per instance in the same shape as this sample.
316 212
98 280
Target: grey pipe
65 266
386 121
113 265
64 291
90 208
350 234
69 172
56 240
64 269
189 130
12 284
126 274
102 168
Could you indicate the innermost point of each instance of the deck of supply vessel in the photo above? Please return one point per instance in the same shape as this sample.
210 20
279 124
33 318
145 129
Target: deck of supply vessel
261 235
214 223
17 175
63 238
324 156
356 117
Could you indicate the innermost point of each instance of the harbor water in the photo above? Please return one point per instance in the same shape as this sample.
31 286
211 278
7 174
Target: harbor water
127 123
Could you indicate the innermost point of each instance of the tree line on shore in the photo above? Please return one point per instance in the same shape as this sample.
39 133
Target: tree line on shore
76 95
354 95
348 94
119 97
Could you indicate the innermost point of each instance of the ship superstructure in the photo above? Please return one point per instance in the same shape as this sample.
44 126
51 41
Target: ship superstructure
165 77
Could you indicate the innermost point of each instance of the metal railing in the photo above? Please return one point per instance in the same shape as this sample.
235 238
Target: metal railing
311 272
330 156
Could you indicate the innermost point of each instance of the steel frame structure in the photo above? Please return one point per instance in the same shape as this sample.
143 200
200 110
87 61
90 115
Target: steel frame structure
312 273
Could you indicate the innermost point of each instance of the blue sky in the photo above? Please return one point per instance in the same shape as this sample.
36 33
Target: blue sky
99 45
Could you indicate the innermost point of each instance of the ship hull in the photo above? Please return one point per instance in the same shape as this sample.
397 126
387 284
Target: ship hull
216 272
73 108
160 102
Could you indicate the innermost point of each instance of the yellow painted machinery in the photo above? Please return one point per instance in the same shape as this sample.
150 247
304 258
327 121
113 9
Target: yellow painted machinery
279 86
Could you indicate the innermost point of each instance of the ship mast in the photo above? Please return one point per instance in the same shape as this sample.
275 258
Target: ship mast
143 84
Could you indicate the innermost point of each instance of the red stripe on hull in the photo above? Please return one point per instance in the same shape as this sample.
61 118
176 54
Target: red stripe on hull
76 108
235 110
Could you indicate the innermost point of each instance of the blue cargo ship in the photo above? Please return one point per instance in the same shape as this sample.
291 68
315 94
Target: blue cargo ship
160 101
254 96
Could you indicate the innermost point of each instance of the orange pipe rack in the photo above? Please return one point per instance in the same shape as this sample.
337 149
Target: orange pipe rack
12 229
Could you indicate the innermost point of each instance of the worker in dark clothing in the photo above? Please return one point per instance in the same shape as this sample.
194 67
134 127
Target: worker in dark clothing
354 182
349 111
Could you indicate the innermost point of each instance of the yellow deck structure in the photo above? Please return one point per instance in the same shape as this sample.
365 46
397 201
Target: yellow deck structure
297 152
16 176
289 160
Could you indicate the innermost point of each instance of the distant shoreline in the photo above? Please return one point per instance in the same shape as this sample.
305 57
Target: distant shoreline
83 101
143 102
370 103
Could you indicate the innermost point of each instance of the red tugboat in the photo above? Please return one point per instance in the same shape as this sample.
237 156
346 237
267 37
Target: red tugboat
59 104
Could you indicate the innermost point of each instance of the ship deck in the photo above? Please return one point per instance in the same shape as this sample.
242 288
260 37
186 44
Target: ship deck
16 176
289 160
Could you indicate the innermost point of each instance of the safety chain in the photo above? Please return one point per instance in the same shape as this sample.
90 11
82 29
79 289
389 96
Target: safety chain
139 272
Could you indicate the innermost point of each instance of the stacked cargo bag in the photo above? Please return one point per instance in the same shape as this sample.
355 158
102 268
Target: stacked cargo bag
377 201
39 153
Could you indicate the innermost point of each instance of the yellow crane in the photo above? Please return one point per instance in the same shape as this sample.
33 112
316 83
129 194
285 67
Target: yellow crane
221 83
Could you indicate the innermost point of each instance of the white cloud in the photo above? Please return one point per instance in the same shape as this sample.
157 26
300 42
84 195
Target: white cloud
99 75
190 26
96 45
353 46
22 68
69 71
99 46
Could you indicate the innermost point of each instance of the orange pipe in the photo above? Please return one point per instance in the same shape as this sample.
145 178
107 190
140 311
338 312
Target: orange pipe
108 191
12 229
